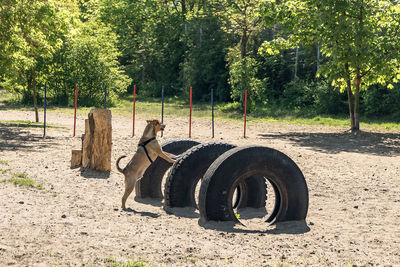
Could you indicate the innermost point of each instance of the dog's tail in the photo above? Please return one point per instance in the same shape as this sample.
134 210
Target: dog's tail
117 164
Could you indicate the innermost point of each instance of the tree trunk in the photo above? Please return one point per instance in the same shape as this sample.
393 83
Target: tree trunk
296 63
357 103
34 95
351 107
318 54
243 43
350 97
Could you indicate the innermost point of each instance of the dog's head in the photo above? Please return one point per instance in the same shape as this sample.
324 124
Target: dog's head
157 125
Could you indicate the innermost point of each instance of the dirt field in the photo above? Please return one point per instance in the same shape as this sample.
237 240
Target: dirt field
353 217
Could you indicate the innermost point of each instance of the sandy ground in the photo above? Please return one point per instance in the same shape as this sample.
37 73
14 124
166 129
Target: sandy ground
353 217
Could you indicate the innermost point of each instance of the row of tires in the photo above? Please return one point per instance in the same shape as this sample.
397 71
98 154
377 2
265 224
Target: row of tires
231 177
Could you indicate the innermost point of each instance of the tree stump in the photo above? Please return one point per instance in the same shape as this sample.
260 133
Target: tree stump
97 141
76 158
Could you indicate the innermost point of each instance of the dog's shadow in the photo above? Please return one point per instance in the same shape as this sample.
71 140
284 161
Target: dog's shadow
143 213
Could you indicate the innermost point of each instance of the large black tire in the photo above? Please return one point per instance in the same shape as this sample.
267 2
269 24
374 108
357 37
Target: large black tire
150 185
234 166
184 176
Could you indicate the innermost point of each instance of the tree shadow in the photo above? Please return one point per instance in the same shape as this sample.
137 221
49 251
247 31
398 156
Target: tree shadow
14 138
387 144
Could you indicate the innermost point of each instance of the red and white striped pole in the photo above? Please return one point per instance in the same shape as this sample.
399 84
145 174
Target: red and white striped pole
190 114
245 112
76 101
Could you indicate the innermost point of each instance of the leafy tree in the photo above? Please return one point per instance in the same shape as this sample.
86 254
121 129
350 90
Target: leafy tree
205 63
241 18
360 38
88 58
150 36
61 44
33 34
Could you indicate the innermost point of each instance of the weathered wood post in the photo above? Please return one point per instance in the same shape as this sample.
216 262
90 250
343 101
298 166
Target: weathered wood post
97 141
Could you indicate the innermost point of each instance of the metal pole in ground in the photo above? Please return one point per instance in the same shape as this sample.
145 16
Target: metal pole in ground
212 113
44 119
162 108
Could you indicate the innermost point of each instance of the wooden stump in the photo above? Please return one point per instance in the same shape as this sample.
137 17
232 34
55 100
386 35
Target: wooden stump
97 141
76 158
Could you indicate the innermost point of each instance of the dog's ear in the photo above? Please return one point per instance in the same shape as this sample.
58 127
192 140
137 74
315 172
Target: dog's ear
149 121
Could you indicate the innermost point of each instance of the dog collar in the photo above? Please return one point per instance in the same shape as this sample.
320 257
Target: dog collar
144 147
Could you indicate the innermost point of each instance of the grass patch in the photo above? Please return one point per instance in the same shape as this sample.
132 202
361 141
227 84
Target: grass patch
22 179
112 262
4 162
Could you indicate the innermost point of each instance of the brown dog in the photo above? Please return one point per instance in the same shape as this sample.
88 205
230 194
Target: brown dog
148 150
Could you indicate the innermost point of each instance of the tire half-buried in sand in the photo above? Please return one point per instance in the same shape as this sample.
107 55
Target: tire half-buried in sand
235 166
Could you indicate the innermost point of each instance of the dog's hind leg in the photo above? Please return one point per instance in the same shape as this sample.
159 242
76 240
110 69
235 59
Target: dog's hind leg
129 186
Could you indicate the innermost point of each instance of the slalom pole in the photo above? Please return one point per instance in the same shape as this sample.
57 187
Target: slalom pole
105 96
44 119
212 113
133 114
162 108
245 112
190 114
76 101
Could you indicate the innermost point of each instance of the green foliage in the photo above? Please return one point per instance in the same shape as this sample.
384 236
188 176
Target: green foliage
319 96
151 39
328 99
52 46
243 76
380 101
87 59
205 64
359 39
230 46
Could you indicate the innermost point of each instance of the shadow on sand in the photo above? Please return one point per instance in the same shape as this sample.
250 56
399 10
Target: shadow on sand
90 174
289 227
13 138
143 213
364 142
156 202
